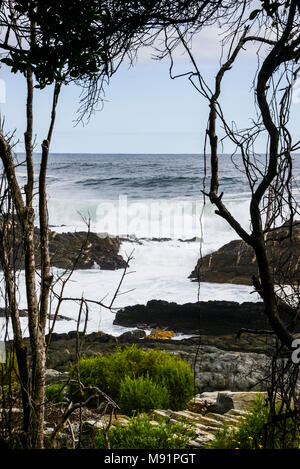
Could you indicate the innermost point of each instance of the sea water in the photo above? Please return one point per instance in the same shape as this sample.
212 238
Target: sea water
156 199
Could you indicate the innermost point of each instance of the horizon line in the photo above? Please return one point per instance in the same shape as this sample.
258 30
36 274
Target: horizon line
138 153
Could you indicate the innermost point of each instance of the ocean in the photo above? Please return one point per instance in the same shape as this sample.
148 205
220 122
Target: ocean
149 197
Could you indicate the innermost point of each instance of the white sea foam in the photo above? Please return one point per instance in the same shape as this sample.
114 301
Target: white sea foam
159 270
160 218
164 201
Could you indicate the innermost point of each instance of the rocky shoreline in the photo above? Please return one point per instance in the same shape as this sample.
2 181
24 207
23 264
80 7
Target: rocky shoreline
215 368
235 262
215 318
220 359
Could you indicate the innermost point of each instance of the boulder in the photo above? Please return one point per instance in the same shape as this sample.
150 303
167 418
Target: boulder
98 252
235 262
219 370
132 336
54 376
223 404
102 338
205 318
242 401
161 334
56 336
81 250
23 313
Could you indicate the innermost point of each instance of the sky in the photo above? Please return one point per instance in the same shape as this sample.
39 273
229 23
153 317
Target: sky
144 110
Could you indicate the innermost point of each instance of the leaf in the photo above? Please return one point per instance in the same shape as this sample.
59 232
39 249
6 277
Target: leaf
7 61
254 14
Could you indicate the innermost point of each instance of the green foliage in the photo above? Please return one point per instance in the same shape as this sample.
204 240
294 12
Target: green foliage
69 40
108 371
141 395
9 371
173 373
74 40
139 433
55 393
251 433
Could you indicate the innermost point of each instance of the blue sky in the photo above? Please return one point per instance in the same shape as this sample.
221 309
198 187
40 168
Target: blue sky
145 111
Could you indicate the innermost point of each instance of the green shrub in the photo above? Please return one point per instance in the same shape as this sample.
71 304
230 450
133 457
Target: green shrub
250 434
108 371
139 433
55 393
141 395
173 373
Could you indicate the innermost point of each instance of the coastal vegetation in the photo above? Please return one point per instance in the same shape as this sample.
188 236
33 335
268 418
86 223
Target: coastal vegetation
253 432
55 392
141 433
154 379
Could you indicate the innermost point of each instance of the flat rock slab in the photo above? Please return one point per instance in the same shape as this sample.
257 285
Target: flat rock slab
206 425
242 400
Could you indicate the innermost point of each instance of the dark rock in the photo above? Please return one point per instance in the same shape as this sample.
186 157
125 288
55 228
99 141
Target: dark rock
80 249
130 239
103 338
88 434
190 240
93 336
63 350
235 262
157 240
98 251
223 404
61 354
55 377
55 336
132 336
23 313
59 317
205 318
74 334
